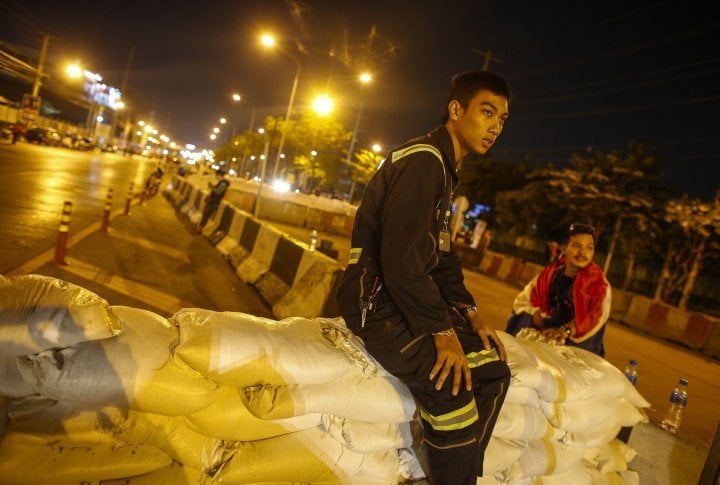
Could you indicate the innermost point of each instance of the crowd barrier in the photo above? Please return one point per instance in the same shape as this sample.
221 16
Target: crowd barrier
294 280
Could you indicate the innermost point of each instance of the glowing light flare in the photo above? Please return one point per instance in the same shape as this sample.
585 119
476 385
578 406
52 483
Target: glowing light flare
267 40
74 71
365 77
236 97
281 186
376 147
323 104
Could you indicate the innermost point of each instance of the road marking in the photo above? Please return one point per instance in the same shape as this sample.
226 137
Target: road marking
153 246
138 291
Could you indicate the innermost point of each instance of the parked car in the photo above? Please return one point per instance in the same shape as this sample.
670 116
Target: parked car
43 136
77 142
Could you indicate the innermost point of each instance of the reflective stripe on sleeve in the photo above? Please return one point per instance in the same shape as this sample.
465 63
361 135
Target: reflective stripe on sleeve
355 254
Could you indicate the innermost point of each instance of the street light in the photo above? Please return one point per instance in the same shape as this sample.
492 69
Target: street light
364 78
269 41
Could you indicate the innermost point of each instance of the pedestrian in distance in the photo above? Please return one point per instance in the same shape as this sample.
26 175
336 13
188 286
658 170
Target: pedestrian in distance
213 199
569 301
403 293
18 129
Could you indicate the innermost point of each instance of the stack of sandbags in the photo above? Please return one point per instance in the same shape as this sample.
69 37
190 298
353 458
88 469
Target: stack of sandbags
99 393
564 408
154 400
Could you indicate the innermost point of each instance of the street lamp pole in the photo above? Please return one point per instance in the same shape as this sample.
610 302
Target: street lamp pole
348 160
283 132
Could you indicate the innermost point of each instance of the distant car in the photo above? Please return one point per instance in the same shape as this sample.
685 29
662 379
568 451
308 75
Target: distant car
43 136
77 142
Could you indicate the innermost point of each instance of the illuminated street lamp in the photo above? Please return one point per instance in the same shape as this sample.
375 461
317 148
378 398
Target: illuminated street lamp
269 41
323 105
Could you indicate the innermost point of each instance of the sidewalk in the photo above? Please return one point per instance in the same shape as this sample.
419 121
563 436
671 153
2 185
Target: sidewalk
150 259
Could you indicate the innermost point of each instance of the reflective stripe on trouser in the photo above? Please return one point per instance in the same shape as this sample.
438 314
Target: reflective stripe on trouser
457 429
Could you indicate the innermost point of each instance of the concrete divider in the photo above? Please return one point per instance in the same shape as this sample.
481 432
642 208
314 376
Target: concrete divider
258 262
232 238
661 320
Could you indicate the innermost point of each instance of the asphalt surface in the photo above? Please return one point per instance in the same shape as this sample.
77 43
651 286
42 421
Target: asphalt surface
151 259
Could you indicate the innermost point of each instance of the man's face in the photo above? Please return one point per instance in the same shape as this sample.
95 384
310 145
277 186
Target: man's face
579 251
477 126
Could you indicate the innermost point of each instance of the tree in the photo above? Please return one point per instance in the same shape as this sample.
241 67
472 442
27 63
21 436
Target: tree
364 167
603 189
699 223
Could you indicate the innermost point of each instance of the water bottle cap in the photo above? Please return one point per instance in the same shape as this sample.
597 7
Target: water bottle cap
684 382
633 362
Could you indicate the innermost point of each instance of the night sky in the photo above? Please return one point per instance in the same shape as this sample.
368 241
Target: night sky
583 74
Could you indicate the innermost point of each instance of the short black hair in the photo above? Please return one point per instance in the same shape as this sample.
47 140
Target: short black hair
580 228
464 86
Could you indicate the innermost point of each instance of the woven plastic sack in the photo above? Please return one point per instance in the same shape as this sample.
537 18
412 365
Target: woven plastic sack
39 313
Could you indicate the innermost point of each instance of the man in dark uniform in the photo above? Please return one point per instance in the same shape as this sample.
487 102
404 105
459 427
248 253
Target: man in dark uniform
403 292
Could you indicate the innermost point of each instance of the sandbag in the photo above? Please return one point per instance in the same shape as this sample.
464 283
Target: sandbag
517 422
500 454
242 350
375 400
228 418
175 474
131 370
43 463
526 369
626 415
307 456
364 437
544 457
39 313
613 456
526 396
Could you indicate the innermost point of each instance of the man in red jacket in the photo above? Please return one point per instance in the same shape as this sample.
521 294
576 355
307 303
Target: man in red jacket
569 301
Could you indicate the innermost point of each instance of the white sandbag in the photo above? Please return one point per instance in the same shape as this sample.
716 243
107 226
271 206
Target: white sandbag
375 400
365 437
613 456
526 369
517 422
581 415
170 435
228 418
613 382
410 468
604 432
39 313
43 463
577 475
307 456
242 350
500 454
68 424
526 396
175 474
131 370
544 457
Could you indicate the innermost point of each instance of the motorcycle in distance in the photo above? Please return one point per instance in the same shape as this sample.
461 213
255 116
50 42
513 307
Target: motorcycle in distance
152 185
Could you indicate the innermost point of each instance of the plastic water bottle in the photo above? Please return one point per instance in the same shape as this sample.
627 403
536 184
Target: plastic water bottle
631 371
678 402
313 240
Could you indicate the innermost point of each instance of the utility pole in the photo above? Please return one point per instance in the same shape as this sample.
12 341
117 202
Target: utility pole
116 115
41 62
488 55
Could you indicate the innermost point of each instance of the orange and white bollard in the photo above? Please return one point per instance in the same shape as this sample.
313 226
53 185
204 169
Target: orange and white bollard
63 234
106 212
128 201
